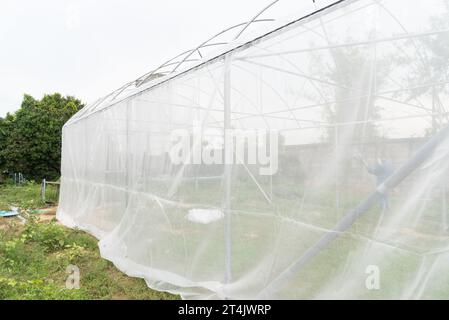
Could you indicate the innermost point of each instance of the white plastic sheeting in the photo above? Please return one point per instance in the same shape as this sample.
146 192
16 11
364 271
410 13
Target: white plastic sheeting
351 100
204 216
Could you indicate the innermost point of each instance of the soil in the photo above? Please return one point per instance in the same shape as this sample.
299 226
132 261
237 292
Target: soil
48 214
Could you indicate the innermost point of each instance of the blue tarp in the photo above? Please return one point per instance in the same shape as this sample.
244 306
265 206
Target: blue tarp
6 214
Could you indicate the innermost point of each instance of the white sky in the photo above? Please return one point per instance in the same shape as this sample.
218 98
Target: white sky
87 48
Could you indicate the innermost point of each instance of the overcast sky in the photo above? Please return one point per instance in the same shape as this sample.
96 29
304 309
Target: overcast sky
87 48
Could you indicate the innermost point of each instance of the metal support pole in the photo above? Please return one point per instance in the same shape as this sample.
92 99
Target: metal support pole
395 179
128 150
434 120
443 191
228 156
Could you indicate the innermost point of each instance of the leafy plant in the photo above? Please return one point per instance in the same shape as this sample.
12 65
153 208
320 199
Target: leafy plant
50 236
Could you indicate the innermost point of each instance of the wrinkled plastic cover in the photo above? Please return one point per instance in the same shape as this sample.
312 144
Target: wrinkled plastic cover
356 203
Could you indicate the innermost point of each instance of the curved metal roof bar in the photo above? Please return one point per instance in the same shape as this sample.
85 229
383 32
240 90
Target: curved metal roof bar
116 93
187 54
219 34
123 88
254 19
143 79
165 64
176 62
147 75
136 82
205 44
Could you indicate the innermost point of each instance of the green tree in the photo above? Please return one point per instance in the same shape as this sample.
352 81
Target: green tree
431 68
357 72
30 139
5 127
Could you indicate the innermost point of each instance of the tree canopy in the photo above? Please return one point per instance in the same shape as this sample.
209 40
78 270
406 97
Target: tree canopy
30 139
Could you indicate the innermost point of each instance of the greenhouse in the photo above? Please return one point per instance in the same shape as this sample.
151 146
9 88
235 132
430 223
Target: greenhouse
293 158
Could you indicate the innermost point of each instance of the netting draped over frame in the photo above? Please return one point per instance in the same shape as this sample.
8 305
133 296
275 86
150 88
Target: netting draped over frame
346 196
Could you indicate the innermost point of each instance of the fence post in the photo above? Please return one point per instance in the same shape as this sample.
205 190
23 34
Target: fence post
44 185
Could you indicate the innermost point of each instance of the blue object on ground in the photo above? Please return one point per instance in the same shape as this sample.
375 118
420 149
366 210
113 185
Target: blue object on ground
7 214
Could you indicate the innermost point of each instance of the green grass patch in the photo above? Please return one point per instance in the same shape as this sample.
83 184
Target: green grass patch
26 196
34 259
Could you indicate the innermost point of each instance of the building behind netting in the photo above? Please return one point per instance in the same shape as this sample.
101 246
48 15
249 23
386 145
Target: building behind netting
306 158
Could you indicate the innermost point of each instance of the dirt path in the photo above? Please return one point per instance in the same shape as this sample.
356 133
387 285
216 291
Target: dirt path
48 214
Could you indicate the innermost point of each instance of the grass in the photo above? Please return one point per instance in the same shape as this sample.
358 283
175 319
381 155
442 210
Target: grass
34 259
25 197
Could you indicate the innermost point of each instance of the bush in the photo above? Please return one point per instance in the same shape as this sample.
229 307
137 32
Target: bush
50 236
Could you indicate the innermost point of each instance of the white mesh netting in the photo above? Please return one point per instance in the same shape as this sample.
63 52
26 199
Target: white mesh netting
346 198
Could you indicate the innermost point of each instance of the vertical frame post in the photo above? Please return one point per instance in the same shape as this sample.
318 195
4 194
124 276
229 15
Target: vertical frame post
228 156
128 150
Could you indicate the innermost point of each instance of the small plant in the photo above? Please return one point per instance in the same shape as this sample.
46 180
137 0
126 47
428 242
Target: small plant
73 252
50 236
